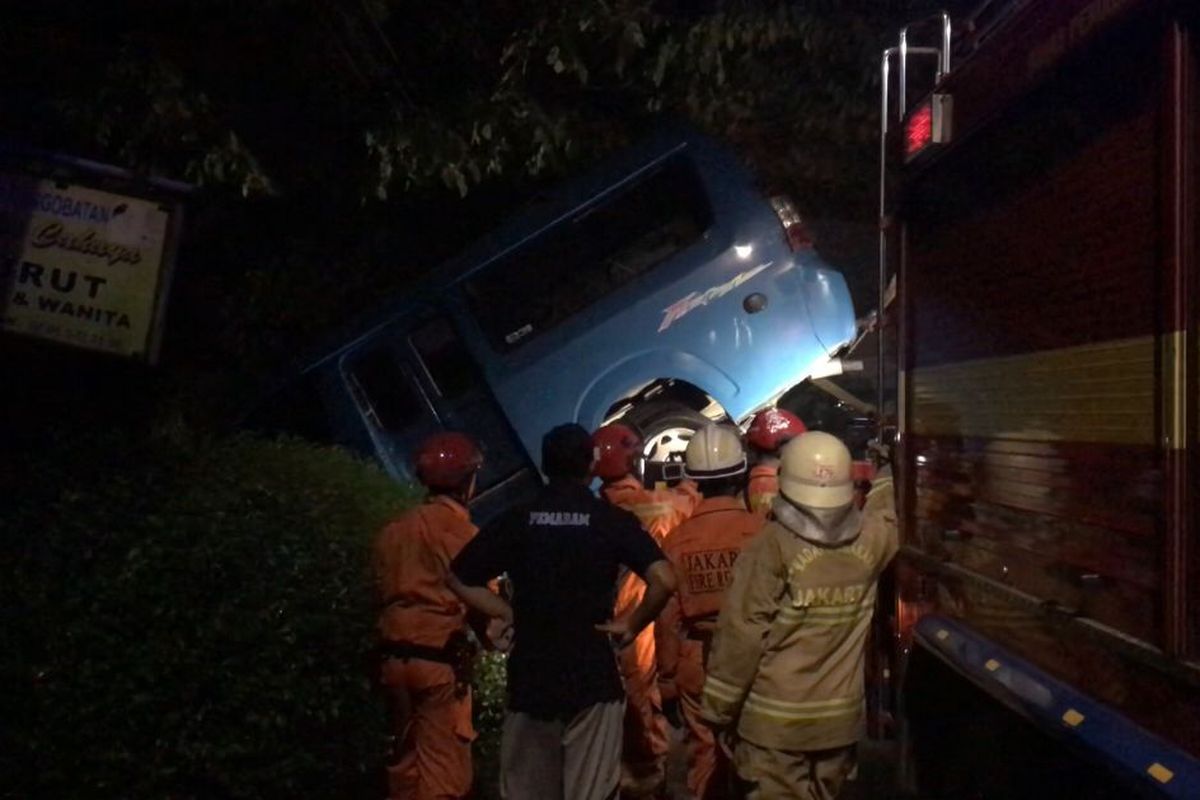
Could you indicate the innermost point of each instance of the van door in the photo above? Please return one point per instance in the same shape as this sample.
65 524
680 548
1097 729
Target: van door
462 401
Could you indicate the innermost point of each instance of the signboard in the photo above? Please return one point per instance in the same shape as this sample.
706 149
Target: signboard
82 266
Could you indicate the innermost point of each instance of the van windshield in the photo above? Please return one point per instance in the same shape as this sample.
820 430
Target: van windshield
577 262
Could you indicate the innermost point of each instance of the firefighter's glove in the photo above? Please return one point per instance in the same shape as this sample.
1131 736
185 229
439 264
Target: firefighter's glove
670 709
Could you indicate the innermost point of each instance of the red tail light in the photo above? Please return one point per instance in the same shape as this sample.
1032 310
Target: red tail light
918 130
794 229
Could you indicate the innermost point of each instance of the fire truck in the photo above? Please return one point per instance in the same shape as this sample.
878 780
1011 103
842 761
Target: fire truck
1040 168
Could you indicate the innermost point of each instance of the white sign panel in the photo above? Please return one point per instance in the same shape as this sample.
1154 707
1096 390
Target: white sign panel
82 266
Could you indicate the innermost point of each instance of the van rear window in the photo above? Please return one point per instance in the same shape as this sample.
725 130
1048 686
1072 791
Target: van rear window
582 259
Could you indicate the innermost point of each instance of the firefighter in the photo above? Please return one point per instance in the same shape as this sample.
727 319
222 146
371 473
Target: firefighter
618 450
768 433
424 644
660 510
794 699
702 551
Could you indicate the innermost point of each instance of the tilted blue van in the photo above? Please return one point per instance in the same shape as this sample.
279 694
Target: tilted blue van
662 288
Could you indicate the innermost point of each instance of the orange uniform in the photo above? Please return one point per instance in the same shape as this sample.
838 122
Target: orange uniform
660 511
433 714
762 487
702 550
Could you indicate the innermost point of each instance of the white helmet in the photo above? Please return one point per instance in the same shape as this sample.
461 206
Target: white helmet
814 471
714 452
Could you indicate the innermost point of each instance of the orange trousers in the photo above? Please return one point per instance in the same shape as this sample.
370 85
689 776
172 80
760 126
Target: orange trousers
432 731
708 770
644 752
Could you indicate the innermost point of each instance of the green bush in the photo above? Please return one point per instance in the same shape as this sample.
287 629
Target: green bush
190 620
490 697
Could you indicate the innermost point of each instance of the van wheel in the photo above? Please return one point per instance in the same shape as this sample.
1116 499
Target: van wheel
666 429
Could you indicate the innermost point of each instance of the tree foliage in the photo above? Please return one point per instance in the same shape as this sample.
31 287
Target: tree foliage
791 83
384 97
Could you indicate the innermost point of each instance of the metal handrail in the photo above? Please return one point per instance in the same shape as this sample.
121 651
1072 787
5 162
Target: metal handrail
885 77
943 54
901 52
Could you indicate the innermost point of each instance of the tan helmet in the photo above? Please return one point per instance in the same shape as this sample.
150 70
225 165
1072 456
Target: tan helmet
814 471
715 451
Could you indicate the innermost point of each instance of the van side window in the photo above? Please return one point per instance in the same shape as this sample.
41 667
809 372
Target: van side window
451 368
386 393
580 260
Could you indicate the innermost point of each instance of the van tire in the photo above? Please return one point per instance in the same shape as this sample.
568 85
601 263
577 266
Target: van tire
655 419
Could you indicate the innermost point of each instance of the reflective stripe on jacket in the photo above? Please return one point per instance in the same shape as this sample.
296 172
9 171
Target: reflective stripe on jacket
787 657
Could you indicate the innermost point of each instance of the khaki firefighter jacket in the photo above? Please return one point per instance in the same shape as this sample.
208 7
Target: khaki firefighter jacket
787 657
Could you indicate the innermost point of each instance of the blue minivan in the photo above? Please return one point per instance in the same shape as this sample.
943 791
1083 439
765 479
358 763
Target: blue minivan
662 288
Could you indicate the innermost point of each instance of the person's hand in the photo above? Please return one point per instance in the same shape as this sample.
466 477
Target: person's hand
500 634
619 631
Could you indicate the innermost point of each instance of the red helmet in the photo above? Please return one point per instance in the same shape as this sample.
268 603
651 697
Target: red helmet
447 460
773 428
618 447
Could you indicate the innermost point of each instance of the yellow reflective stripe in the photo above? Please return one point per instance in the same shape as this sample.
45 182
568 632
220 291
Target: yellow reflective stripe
721 690
803 712
990 398
853 608
832 621
782 716
824 613
846 615
805 705
761 501
801 617
829 611
720 694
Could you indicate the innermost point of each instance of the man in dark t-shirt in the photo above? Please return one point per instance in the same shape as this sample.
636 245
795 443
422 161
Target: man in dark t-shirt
563 553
